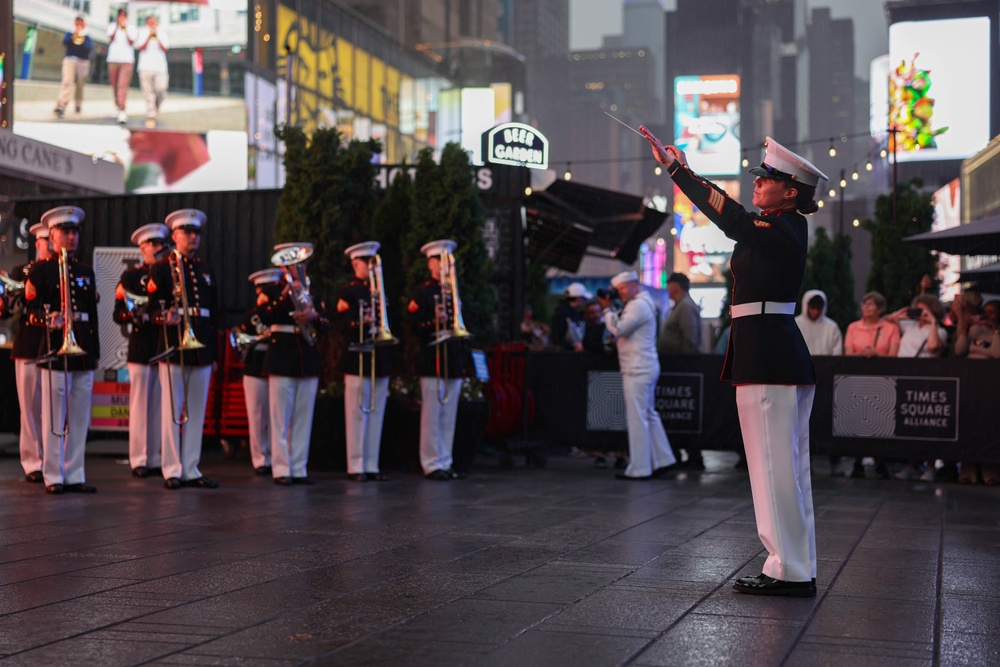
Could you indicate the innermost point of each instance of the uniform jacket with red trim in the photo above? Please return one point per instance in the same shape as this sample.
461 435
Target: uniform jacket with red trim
202 291
144 335
349 298
422 315
28 339
43 288
767 263
288 353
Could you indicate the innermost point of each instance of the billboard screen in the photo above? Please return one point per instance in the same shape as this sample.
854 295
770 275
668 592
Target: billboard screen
707 122
178 122
948 213
939 87
701 250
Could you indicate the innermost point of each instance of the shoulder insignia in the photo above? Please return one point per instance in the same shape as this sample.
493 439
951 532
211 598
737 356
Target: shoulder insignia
763 224
262 299
412 307
120 292
716 200
150 286
342 306
30 293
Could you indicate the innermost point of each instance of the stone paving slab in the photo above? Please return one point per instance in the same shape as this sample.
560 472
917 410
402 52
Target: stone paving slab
556 566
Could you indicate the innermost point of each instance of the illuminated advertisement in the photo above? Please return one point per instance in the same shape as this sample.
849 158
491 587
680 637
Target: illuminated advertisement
707 122
939 88
701 250
176 119
948 213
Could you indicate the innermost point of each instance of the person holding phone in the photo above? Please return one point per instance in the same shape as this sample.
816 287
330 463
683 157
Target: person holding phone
921 332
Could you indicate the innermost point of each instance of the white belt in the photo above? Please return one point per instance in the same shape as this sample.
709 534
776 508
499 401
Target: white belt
260 346
81 317
284 328
199 312
762 308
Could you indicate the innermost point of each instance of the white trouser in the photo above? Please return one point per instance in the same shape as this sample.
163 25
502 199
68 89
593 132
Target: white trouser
29 393
144 431
154 87
775 424
258 419
62 457
182 444
364 431
437 423
648 447
292 402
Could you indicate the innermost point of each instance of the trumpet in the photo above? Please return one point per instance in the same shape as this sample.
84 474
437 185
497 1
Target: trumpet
10 287
136 304
69 347
186 339
454 326
379 334
242 341
291 258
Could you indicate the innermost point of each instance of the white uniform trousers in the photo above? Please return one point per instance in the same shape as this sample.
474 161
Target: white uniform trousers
182 444
775 424
364 431
437 423
258 419
29 392
62 457
292 401
648 447
144 430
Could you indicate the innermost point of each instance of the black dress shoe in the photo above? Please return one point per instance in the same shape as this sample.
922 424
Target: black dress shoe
140 471
357 477
630 478
201 483
283 481
765 585
172 483
377 477
34 477
663 470
262 470
454 474
54 488
79 488
303 480
439 475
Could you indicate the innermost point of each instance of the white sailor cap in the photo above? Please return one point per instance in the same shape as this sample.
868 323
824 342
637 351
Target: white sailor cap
186 218
39 230
267 276
782 164
151 232
436 248
625 277
63 216
365 249
578 290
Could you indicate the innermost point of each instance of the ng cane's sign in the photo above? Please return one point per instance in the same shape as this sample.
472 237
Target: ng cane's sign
518 145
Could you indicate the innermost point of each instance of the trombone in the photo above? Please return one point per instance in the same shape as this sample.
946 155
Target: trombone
379 333
455 324
69 347
185 334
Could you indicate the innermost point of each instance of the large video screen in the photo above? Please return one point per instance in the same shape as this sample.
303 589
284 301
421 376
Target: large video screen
177 121
939 87
701 250
707 122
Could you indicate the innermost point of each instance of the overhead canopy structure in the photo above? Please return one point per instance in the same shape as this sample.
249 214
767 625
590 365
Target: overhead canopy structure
566 218
981 237
986 278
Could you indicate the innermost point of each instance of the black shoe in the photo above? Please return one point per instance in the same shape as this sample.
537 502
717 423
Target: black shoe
172 483
765 585
663 470
622 475
58 112
439 475
80 488
283 481
620 463
78 108
303 480
377 477
600 462
34 477
858 471
201 483
696 464
357 477
454 474
881 471
140 471
262 470
54 489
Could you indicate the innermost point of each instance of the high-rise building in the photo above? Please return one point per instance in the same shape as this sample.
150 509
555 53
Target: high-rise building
831 76
416 22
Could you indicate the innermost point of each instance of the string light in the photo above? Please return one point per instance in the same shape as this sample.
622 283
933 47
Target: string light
843 183
856 223
833 151
527 191
657 170
820 203
882 153
745 162
569 172
854 176
833 193
868 165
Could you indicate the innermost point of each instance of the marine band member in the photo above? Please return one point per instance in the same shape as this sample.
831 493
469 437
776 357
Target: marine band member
144 427
27 341
292 367
267 286
67 380
437 419
363 427
182 443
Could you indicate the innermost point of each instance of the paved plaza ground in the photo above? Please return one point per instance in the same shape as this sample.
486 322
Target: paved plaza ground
562 565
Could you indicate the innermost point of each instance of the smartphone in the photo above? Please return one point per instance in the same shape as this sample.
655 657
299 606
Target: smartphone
913 313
